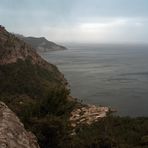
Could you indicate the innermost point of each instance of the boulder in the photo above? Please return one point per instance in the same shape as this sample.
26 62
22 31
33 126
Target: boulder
12 131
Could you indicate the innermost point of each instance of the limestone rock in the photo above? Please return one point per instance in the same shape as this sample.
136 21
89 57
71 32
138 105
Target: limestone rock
12 131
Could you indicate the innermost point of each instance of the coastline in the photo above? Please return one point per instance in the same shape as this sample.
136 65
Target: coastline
88 114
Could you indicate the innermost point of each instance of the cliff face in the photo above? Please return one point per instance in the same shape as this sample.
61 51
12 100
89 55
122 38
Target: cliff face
13 49
35 90
12 132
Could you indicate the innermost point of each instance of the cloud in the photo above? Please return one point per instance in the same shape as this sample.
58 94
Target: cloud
101 30
78 20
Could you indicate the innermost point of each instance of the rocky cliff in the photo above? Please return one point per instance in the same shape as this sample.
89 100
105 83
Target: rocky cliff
34 89
13 49
12 131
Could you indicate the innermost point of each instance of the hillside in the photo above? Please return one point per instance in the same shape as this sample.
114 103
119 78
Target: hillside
41 44
37 92
34 89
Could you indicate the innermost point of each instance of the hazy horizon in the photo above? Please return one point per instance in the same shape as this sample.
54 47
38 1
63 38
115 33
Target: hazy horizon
78 21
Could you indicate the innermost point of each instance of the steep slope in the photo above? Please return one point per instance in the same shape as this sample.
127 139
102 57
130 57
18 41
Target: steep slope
12 49
41 44
34 89
12 132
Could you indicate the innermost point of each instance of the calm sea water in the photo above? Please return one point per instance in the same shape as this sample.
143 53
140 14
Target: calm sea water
110 75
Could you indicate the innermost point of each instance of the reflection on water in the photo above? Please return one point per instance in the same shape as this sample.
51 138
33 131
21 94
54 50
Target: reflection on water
112 75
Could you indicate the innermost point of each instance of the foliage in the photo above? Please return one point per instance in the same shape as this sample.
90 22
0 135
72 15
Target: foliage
24 77
112 132
40 100
38 97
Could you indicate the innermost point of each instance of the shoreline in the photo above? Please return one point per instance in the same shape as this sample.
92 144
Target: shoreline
88 114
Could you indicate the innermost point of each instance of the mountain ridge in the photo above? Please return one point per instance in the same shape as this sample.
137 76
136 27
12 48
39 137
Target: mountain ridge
41 44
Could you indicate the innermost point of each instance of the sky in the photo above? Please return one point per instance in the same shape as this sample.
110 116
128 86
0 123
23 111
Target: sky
82 21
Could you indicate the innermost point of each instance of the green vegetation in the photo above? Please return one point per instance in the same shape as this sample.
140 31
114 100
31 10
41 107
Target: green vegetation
39 98
112 132
25 78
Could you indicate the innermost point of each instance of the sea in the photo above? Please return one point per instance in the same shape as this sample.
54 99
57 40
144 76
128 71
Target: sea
114 75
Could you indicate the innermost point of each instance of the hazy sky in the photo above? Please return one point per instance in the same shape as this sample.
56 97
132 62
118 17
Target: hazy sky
78 20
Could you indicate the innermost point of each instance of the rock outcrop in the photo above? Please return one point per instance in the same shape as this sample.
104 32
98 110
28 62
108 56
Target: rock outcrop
12 131
88 115
13 49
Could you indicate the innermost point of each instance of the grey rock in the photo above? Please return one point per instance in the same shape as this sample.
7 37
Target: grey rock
12 131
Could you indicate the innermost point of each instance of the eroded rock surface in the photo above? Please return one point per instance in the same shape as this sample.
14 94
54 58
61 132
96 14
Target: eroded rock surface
88 115
12 131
